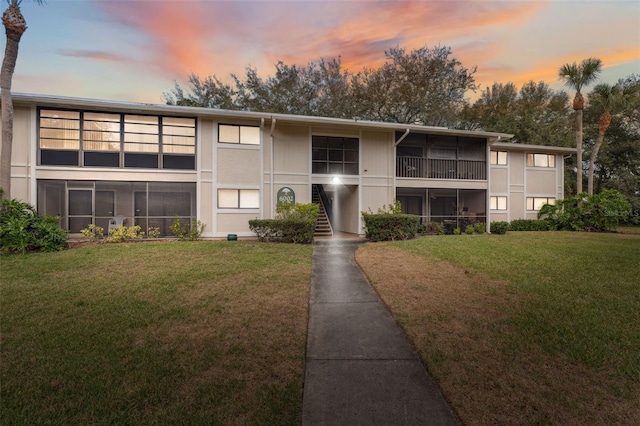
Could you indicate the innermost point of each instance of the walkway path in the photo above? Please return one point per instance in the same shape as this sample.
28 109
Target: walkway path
360 368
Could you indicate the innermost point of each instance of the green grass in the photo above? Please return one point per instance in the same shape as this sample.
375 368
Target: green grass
584 291
155 333
566 318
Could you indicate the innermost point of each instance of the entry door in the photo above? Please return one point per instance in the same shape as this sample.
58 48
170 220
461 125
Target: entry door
80 209
85 209
105 208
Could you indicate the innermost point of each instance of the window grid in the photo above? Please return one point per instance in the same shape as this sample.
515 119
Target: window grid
536 203
499 158
238 198
239 134
498 203
541 160
105 139
335 155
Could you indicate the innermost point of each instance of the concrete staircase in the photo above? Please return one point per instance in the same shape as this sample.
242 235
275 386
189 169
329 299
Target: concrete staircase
323 226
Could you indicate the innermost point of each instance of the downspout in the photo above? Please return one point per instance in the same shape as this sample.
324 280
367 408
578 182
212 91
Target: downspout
273 127
395 160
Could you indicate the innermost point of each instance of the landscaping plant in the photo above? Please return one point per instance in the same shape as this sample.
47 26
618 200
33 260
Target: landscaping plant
23 230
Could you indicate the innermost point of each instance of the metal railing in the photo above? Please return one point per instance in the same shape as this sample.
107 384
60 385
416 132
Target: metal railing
431 168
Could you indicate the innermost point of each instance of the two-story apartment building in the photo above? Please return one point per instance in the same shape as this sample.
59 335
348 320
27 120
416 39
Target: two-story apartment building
91 161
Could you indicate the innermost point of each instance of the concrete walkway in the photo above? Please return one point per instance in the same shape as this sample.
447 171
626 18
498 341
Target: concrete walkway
360 368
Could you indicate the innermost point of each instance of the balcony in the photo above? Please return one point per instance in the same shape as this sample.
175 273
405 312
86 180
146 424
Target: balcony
432 168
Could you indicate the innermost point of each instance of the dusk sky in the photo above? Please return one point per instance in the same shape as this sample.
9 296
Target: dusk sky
135 50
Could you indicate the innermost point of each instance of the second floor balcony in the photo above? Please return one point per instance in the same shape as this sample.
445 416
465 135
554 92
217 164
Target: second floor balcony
435 168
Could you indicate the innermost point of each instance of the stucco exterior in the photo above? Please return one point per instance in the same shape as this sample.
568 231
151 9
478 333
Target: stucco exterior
138 170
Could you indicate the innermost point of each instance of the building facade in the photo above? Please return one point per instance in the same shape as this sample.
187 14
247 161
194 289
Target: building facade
91 161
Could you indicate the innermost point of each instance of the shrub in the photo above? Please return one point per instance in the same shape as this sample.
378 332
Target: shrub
297 211
583 212
470 229
457 231
22 229
480 227
499 228
297 231
189 231
93 232
432 228
390 226
529 225
153 232
125 233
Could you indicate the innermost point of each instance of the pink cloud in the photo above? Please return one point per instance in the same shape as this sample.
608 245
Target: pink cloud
93 54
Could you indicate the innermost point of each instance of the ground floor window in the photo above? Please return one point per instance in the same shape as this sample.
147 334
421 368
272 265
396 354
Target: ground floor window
536 203
498 203
238 198
105 204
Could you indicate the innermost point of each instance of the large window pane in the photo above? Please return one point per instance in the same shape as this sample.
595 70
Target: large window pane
250 135
249 199
228 198
228 134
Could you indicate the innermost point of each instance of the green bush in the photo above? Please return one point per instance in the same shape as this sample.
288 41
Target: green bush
499 228
297 231
480 227
188 231
125 233
432 228
294 223
22 229
529 225
583 212
457 231
93 232
390 226
297 211
470 229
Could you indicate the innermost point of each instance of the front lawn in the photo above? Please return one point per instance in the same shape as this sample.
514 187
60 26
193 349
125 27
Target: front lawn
155 333
523 328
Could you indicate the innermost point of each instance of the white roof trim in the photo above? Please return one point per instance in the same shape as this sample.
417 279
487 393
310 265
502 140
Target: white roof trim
82 103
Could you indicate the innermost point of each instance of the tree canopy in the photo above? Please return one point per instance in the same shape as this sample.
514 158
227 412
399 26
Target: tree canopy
425 86
428 86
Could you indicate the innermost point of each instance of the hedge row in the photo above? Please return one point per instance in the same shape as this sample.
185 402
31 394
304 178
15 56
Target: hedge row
284 230
390 226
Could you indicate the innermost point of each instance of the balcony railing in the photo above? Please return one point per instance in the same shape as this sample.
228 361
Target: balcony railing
417 167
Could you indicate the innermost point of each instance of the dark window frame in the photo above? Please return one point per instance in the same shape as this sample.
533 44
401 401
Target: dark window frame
329 155
64 154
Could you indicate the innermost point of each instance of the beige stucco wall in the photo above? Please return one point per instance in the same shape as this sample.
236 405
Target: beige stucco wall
376 154
291 151
541 181
499 180
238 166
21 157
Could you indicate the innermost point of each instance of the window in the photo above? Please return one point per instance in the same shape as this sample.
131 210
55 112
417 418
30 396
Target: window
101 139
498 203
535 203
244 135
541 160
335 155
238 198
499 158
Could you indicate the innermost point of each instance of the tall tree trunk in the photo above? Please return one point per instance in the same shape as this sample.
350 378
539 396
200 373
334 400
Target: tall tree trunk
579 150
603 124
592 160
15 26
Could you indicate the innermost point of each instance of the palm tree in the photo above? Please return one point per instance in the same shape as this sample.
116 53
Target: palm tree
15 25
607 100
578 76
